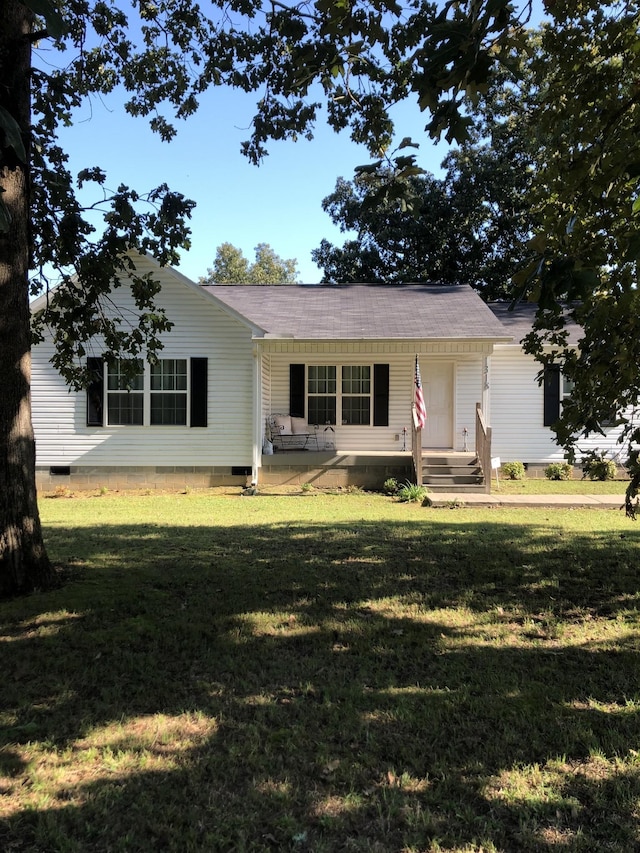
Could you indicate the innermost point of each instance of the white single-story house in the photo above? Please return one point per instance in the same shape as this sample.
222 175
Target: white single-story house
336 363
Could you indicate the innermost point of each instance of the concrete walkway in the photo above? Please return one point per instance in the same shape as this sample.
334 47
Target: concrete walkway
495 499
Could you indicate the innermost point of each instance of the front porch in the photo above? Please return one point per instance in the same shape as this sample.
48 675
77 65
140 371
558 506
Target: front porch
336 468
441 470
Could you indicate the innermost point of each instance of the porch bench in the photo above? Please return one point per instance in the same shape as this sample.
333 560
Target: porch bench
289 433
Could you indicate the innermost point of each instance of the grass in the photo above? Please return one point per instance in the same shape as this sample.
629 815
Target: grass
323 673
542 486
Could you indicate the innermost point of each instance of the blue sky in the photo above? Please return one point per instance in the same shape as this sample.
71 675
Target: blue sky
278 202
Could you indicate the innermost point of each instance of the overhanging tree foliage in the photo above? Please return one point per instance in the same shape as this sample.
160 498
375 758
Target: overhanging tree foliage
354 58
468 226
393 243
231 267
583 260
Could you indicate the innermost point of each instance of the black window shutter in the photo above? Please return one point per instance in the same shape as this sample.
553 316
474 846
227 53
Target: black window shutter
381 395
95 392
199 384
296 390
551 385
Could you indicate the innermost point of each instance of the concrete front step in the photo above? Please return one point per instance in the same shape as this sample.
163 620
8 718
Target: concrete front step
452 473
453 470
445 488
453 479
455 459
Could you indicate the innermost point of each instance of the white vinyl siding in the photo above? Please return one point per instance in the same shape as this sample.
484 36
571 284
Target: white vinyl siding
201 329
517 413
517 409
265 386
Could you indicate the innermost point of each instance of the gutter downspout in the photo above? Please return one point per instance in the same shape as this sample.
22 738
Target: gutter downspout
256 462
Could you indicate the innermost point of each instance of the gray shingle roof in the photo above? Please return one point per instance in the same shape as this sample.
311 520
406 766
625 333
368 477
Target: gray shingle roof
518 321
376 311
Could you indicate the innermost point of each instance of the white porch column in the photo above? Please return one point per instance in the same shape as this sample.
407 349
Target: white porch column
257 411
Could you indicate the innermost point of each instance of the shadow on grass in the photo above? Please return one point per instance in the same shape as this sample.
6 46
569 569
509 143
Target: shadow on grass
293 686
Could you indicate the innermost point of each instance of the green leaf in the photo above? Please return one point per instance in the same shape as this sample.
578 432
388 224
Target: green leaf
5 216
12 134
538 243
56 26
633 248
368 169
405 162
407 142
410 172
586 280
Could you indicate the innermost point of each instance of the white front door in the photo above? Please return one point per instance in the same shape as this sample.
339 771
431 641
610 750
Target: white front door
437 384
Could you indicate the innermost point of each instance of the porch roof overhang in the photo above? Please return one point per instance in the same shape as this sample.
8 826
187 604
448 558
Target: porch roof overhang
420 313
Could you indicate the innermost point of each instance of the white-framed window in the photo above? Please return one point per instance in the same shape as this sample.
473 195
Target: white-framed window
156 395
168 393
322 397
346 400
566 389
356 394
125 395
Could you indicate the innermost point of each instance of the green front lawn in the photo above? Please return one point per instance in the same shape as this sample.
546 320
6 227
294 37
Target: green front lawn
542 486
323 672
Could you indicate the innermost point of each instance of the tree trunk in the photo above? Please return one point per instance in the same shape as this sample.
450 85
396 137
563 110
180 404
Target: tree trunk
24 565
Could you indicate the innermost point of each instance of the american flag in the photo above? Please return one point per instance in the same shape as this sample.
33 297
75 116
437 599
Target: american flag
421 411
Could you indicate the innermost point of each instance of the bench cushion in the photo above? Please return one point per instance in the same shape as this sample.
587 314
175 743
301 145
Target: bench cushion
282 424
299 426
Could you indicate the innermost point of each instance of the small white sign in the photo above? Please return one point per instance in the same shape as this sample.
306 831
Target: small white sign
495 462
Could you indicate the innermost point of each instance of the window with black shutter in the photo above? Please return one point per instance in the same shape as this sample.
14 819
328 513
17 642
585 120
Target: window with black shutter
352 395
156 395
296 390
95 392
381 395
199 387
551 386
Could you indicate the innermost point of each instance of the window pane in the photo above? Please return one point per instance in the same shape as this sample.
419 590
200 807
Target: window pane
356 379
168 409
118 381
169 374
322 410
567 386
355 410
125 409
322 379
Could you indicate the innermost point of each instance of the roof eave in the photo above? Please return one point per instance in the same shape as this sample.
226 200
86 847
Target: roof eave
276 336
